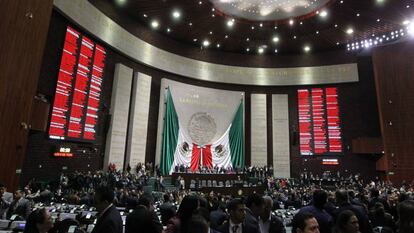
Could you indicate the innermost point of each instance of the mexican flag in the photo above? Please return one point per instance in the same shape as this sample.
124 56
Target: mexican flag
179 149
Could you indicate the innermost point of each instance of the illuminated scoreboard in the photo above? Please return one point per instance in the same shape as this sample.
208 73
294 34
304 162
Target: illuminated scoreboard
78 91
319 121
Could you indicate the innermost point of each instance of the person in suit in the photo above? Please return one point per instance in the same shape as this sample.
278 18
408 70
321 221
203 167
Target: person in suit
324 219
167 210
20 206
236 223
304 223
143 218
109 219
217 215
268 222
255 208
343 204
6 199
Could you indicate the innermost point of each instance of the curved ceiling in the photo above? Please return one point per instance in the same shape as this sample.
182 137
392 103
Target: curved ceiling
268 26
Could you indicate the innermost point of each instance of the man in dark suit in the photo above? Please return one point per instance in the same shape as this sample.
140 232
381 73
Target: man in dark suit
344 204
324 219
6 199
20 206
270 223
237 211
143 218
167 210
109 219
255 208
217 215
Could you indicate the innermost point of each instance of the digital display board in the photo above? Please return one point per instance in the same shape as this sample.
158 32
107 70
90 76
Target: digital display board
319 121
78 91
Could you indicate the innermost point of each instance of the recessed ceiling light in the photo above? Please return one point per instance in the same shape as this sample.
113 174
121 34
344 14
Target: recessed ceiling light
275 50
358 14
190 24
378 20
337 43
260 50
121 2
252 27
342 1
230 23
226 36
406 22
275 27
206 43
195 39
336 25
247 39
301 23
218 45
211 33
155 24
349 31
212 9
176 14
291 22
261 24
317 32
408 6
213 15
275 39
247 49
307 48
323 14
200 2
168 30
145 15
294 37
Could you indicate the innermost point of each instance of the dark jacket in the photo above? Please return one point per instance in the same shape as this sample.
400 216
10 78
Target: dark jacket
109 222
360 213
21 207
246 228
276 225
167 211
142 220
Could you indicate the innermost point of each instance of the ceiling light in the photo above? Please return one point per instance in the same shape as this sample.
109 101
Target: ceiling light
211 33
195 39
247 39
218 45
168 30
406 22
121 2
291 22
275 39
261 24
378 20
294 37
260 50
317 32
190 24
226 36
323 14
145 15
307 48
252 27
358 14
176 14
230 23
349 31
200 2
206 43
410 29
155 24
275 50
275 27
336 25
247 49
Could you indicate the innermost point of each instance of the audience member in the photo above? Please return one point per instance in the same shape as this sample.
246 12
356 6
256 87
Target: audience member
6 199
304 223
39 221
109 219
270 223
324 219
20 206
347 222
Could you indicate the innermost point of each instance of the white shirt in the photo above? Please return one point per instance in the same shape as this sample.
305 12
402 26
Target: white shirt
265 225
239 227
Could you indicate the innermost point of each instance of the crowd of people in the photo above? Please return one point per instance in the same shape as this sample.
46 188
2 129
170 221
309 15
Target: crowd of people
351 205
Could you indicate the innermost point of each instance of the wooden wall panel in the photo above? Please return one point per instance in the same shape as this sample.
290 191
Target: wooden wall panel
23 31
394 69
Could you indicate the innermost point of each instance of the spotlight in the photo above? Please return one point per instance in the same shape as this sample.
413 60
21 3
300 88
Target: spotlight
155 24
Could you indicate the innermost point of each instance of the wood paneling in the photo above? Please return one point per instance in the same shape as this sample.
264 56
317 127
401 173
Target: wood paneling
394 69
367 146
23 31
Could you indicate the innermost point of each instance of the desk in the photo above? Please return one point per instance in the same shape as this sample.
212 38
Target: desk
208 177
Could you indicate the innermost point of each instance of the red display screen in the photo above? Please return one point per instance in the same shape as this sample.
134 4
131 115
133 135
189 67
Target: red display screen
78 91
319 121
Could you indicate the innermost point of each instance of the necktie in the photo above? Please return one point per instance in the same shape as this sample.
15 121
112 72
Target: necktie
234 229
